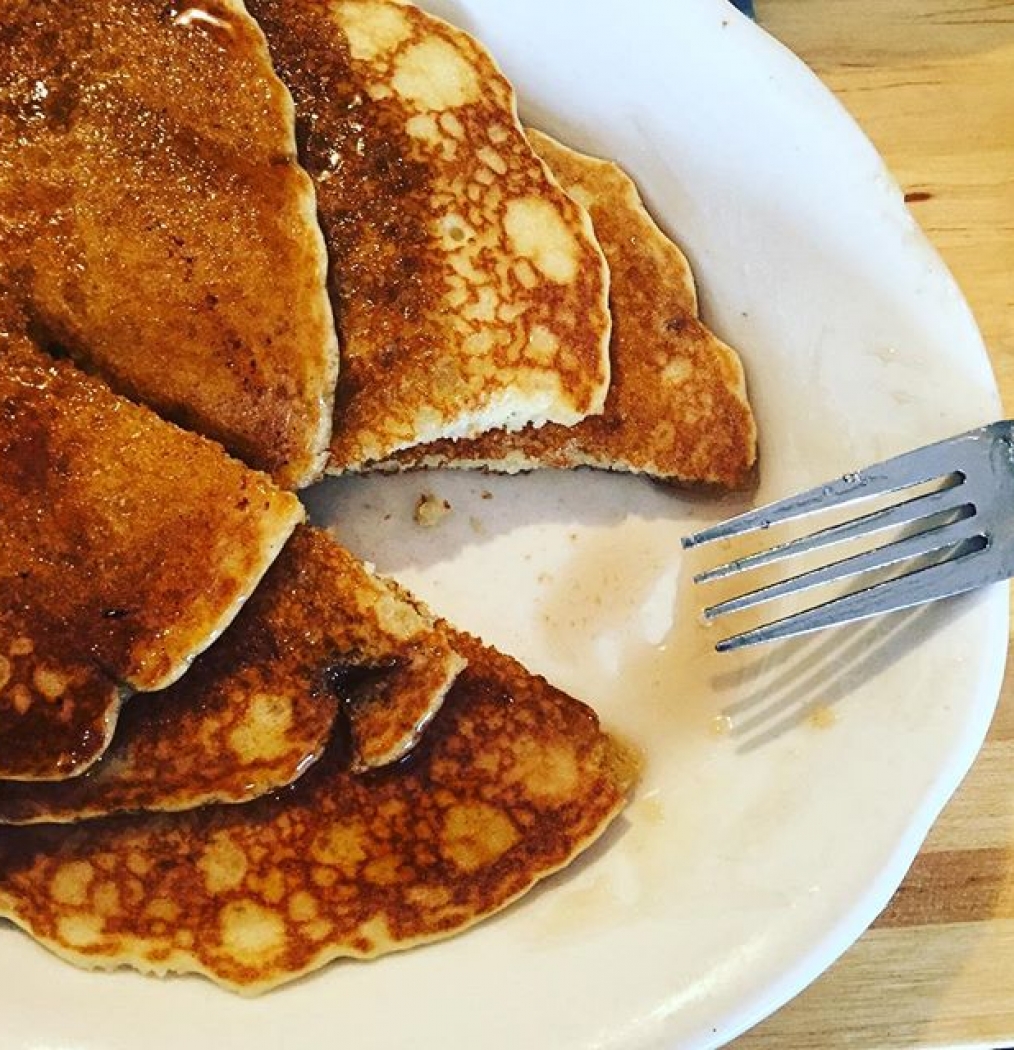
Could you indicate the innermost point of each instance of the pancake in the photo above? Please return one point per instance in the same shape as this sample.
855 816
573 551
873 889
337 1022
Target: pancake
155 224
468 288
254 712
677 407
128 545
511 781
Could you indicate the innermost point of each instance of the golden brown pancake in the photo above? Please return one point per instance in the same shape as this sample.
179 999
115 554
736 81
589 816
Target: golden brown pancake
677 406
255 710
154 222
468 288
128 545
512 780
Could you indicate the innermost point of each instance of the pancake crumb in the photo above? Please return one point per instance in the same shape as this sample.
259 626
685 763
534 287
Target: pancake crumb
430 510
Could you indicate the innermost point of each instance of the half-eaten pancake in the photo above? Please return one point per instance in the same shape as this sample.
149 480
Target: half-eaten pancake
128 545
511 781
154 222
468 288
254 711
677 406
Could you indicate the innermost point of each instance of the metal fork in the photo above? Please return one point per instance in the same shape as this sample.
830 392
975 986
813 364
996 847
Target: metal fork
957 536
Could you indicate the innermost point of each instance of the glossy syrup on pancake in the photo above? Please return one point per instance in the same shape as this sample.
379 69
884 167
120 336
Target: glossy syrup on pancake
154 222
320 638
128 545
677 407
469 291
511 781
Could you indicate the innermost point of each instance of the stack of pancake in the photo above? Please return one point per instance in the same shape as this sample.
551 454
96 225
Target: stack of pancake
226 746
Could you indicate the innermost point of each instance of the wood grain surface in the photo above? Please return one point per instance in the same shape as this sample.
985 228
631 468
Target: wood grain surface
932 84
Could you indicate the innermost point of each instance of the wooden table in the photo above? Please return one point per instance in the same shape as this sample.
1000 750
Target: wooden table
932 83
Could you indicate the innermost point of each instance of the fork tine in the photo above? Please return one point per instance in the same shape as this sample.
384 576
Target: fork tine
930 541
924 584
924 506
918 467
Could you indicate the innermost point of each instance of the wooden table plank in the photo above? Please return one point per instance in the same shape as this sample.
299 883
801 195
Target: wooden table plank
932 83
881 1000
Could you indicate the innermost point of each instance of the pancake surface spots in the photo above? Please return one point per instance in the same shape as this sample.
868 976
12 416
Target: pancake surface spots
450 244
677 407
339 864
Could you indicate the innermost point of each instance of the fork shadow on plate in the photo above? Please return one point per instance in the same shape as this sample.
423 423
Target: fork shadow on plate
802 680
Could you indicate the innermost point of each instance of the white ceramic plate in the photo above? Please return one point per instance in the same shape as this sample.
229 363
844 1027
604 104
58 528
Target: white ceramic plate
760 845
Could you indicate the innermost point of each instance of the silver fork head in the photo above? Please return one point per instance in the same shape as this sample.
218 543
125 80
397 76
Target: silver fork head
954 500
